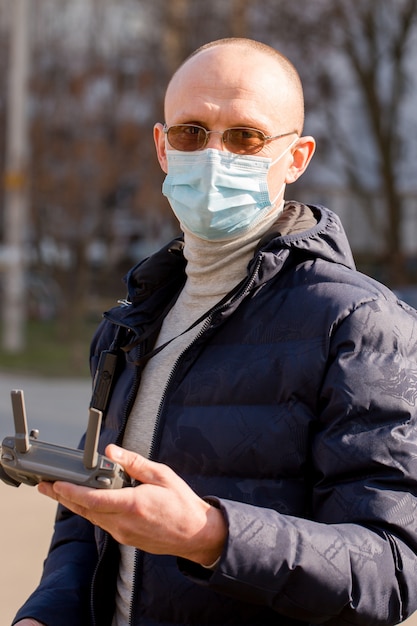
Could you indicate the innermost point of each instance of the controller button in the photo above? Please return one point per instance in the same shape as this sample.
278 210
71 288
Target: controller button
104 480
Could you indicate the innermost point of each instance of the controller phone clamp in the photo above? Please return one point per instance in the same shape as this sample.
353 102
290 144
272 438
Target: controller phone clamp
25 459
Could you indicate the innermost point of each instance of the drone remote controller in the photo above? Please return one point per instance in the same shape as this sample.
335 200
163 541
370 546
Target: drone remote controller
24 459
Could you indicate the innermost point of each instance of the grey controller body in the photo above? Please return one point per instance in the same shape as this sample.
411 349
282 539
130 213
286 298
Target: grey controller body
24 459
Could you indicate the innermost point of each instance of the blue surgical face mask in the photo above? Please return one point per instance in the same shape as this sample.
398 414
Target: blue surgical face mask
218 195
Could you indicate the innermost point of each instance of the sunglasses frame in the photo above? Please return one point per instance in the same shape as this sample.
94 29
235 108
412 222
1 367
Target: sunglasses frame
263 138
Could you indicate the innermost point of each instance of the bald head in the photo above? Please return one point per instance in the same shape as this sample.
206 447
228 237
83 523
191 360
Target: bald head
239 59
241 83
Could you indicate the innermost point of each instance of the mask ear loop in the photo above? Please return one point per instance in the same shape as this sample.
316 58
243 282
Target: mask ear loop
278 195
285 151
276 161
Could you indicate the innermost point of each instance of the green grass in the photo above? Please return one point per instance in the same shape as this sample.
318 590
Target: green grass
51 351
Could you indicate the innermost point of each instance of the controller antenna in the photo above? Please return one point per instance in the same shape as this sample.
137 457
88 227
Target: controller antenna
20 421
90 458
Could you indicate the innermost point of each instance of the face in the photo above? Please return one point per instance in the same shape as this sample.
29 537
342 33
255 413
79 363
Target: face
228 86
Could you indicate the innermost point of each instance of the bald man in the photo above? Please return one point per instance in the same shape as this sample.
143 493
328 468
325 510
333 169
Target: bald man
264 397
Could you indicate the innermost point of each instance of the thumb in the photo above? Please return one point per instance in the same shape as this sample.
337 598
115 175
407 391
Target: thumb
137 466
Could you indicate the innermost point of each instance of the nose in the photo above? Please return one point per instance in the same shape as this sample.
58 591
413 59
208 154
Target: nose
215 140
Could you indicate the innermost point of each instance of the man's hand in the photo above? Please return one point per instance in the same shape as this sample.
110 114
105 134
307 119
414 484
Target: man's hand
162 515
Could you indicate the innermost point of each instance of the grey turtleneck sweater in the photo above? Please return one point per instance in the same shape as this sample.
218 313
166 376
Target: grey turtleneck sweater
213 270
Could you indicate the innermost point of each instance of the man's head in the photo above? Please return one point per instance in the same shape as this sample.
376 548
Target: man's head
233 83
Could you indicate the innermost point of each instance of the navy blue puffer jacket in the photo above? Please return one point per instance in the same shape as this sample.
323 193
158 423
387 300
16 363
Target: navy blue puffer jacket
294 411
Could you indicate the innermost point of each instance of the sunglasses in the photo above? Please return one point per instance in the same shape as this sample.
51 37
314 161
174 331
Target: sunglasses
191 137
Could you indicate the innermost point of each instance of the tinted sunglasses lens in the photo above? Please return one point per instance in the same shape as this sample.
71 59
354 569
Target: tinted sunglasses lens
186 138
244 140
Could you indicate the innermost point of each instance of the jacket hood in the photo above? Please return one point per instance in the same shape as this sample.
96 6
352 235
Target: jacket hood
311 229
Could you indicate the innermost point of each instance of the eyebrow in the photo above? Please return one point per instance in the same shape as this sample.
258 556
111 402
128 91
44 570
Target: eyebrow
240 125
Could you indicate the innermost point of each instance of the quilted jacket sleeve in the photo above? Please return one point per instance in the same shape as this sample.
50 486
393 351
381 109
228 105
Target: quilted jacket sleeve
354 561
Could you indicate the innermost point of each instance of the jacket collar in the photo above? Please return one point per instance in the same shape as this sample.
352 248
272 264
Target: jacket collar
309 230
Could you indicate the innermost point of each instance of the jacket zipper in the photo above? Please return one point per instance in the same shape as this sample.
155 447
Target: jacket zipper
92 592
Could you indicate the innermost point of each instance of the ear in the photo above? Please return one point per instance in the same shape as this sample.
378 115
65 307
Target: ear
302 155
159 139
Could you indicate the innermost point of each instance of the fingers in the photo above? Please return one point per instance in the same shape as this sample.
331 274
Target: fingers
140 468
102 506
83 500
47 489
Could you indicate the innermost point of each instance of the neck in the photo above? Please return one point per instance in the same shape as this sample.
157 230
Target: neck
215 267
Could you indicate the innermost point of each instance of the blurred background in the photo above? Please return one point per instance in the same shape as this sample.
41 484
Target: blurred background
81 85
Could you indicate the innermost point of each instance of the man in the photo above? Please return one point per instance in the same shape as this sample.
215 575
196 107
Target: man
271 385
